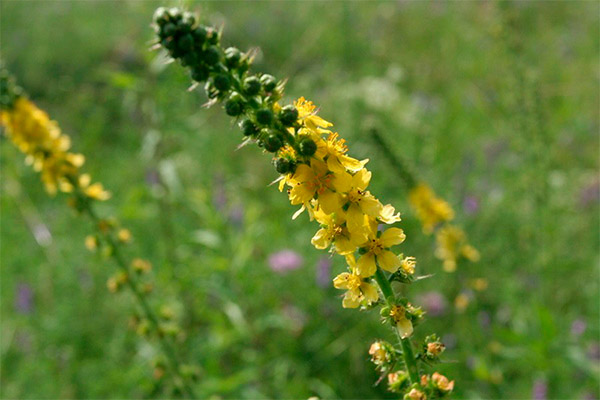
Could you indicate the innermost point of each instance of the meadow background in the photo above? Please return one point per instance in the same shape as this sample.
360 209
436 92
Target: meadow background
494 104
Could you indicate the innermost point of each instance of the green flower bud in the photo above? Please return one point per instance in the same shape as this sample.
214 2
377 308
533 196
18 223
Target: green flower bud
252 86
200 34
186 42
213 36
362 250
269 82
307 147
234 106
160 15
175 14
248 128
232 57
284 166
188 20
264 116
272 142
191 59
288 115
212 55
199 73
168 44
222 82
169 30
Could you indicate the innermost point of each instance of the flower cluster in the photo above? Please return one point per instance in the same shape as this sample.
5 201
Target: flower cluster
316 172
435 214
46 147
47 150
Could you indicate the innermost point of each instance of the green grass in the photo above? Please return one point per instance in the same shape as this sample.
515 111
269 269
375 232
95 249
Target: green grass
496 102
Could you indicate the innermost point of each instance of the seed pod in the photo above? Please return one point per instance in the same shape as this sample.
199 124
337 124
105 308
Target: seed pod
160 16
284 166
212 55
248 128
234 106
169 29
264 116
288 115
232 57
222 82
200 35
269 82
252 86
307 147
200 73
186 42
272 142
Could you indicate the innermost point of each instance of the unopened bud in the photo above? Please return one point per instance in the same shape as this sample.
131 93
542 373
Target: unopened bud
252 86
307 147
288 115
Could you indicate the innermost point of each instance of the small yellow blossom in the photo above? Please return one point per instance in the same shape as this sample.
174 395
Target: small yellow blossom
450 244
430 209
308 116
334 231
434 349
379 353
358 290
141 265
91 243
124 235
334 151
361 203
461 302
377 252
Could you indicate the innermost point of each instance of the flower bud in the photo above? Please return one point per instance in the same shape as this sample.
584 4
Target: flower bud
284 166
252 85
232 57
186 42
212 55
307 147
234 105
222 82
248 128
272 142
199 35
288 115
168 29
269 82
174 13
264 116
213 36
199 73
160 16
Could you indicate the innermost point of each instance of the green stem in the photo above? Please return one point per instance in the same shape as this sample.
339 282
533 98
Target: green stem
395 160
168 349
407 351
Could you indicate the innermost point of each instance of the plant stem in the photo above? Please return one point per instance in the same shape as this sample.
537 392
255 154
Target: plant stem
395 160
168 349
407 351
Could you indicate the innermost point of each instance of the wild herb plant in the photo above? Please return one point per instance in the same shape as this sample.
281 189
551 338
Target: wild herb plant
319 176
47 150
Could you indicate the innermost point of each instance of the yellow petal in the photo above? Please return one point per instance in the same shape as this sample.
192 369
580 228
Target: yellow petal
342 182
404 327
388 261
370 205
355 219
352 164
303 173
369 292
301 193
322 239
334 164
366 265
388 216
341 281
350 301
392 237
361 180
329 201
344 246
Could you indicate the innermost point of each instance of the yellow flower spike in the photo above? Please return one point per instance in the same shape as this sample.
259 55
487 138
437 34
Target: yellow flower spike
377 251
451 243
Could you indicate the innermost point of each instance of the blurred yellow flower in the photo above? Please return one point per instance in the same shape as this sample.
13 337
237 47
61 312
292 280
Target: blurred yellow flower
430 209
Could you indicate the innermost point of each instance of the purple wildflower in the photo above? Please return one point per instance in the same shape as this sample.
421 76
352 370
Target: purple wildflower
471 204
24 299
285 260
434 303
539 390
578 327
324 272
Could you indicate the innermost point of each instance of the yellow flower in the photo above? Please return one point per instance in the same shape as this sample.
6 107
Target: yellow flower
334 151
93 191
308 116
124 235
141 265
361 203
388 215
333 231
398 314
430 209
358 290
450 244
91 242
379 353
317 180
377 252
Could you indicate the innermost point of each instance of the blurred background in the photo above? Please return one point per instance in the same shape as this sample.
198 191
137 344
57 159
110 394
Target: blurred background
494 104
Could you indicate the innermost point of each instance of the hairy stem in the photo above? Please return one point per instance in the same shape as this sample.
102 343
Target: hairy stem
407 351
